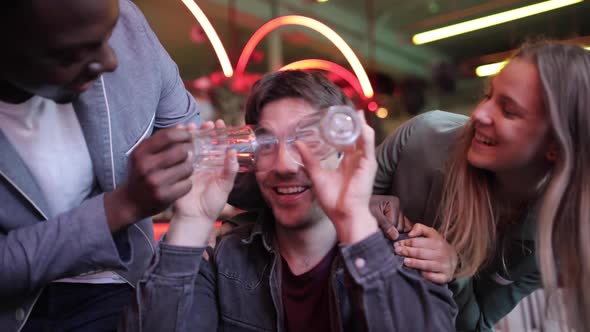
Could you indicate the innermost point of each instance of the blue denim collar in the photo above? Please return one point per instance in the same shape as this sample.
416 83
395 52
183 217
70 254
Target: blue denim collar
263 228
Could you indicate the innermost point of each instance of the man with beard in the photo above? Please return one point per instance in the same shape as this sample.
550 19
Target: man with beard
310 258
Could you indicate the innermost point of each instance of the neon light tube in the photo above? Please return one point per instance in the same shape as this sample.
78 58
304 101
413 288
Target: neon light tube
323 29
494 68
328 66
488 21
490 69
226 66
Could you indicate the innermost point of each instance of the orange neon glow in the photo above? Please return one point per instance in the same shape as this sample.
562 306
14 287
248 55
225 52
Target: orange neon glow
314 25
328 66
226 66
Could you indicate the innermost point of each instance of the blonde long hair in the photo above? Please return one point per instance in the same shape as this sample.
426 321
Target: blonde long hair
467 208
564 219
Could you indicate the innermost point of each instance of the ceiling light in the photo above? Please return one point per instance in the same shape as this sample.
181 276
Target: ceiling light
382 113
488 21
489 69
493 68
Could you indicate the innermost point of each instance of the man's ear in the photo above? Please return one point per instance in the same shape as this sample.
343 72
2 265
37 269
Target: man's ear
552 152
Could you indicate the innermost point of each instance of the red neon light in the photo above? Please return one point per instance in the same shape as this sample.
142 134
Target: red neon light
372 106
328 66
314 25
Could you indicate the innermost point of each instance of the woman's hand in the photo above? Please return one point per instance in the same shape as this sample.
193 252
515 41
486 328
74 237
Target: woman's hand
386 209
428 251
344 192
196 212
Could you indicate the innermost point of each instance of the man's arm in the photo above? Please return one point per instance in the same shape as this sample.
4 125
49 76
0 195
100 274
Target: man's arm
386 296
81 240
74 242
176 294
391 297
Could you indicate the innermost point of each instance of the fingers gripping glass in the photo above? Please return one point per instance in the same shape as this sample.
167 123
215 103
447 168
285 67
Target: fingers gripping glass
211 145
325 133
329 131
256 150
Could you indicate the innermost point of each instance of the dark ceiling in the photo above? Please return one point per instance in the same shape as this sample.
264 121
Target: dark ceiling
378 30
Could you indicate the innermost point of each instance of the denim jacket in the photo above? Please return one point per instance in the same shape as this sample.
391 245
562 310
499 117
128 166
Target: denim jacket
238 288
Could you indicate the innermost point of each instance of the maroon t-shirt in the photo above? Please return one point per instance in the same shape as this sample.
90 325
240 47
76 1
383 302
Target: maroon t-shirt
306 297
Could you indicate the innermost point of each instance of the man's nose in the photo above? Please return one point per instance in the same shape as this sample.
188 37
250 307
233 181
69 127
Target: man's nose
287 159
107 61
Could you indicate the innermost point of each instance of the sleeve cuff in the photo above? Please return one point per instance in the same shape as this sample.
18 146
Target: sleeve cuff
366 259
94 235
174 261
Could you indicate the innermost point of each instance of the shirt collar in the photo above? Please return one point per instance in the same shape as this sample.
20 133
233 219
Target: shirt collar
264 229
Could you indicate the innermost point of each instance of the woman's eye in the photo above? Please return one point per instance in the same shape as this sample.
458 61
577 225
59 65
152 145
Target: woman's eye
508 113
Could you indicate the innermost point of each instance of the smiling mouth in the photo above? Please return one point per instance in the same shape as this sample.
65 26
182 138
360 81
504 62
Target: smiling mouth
484 140
294 190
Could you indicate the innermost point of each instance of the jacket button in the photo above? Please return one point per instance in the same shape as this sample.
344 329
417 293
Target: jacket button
20 314
359 263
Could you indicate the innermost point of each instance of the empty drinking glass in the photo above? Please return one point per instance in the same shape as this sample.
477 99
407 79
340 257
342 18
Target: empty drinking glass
211 145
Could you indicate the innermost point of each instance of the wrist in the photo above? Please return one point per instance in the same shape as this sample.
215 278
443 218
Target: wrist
119 210
357 227
189 231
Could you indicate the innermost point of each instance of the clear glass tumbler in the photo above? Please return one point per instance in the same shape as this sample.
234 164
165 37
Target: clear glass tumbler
211 145
328 131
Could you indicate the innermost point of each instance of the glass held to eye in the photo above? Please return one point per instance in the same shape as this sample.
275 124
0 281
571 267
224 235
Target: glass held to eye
211 145
325 133
329 131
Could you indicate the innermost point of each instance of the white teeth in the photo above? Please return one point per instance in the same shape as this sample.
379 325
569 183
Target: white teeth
484 140
290 190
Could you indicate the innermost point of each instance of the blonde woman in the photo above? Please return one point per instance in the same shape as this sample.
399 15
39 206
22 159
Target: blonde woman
507 187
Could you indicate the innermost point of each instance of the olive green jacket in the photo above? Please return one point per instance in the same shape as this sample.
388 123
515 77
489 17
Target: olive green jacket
412 165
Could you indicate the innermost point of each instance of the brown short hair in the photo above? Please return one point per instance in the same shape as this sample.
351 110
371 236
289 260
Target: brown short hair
311 86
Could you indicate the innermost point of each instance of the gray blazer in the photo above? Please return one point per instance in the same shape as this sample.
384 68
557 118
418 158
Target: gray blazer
121 109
